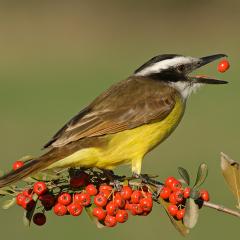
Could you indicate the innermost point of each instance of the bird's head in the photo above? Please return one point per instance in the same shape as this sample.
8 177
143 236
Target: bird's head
174 70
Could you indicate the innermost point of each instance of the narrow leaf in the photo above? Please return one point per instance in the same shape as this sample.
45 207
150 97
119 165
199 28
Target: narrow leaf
191 213
184 174
201 175
89 210
182 229
231 173
8 203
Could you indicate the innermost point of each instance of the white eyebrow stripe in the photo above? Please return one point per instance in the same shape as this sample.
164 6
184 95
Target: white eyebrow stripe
157 67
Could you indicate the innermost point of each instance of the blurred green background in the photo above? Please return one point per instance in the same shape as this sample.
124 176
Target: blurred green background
56 56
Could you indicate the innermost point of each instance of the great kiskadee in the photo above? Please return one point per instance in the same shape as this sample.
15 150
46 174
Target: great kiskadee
125 122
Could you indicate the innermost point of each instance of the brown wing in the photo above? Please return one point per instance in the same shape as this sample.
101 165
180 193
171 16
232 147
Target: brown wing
126 105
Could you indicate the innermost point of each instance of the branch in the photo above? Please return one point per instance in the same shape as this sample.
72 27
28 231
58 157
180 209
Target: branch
222 209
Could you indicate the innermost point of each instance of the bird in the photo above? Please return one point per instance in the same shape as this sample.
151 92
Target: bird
126 121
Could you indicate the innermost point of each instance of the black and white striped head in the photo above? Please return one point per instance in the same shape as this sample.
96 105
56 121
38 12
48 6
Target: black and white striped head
175 69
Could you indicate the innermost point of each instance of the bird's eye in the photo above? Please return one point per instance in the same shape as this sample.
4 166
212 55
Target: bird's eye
181 68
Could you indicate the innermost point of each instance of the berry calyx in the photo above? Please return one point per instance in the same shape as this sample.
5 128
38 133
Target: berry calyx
60 210
223 66
75 209
165 192
91 190
18 164
121 216
100 200
172 209
99 213
110 221
65 199
39 219
40 188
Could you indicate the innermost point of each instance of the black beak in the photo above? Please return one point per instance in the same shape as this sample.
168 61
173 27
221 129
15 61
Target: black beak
204 79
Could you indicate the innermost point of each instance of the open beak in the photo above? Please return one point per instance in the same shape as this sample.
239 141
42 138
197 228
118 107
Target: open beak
205 79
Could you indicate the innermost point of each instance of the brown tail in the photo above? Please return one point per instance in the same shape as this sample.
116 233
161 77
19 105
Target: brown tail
29 168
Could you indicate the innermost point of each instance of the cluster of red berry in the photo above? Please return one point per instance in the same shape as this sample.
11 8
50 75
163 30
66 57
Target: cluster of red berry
112 206
176 196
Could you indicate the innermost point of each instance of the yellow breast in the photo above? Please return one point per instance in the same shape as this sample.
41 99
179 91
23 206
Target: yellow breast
126 146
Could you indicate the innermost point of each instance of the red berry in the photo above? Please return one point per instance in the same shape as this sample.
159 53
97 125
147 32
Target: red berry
146 204
136 196
91 190
39 219
100 200
165 192
172 199
99 213
127 206
111 208
40 188
126 192
178 196
75 209
110 221
176 185
172 209
27 192
119 201
180 214
106 193
83 199
64 199
204 195
121 216
169 181
223 66
18 164
47 201
20 198
60 209
136 209
186 192
105 187
28 203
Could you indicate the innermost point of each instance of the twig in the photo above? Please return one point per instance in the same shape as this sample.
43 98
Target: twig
222 209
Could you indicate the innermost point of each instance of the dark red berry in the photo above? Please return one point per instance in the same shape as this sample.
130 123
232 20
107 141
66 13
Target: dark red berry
64 198
126 192
75 209
100 200
121 216
83 199
110 221
77 182
223 66
18 164
136 196
99 213
91 190
146 204
111 208
39 219
180 214
28 203
204 195
47 201
172 209
60 209
40 188
186 192
165 192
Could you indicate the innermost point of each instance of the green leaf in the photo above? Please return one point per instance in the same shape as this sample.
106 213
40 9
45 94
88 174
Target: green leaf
8 203
201 175
26 158
184 174
231 173
182 229
89 210
191 213
45 176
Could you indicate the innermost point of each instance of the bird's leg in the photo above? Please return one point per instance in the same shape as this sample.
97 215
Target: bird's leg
115 179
